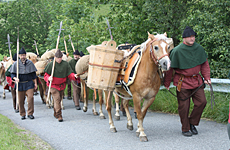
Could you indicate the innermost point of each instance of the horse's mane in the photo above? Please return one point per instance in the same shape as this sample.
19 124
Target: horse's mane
158 36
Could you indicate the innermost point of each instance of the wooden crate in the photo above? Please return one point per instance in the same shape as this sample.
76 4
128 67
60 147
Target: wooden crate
103 70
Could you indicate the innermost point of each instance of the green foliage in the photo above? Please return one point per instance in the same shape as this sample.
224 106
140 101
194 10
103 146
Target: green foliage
210 19
86 23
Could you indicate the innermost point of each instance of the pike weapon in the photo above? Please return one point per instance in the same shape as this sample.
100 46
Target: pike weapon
47 100
8 39
36 47
71 43
109 28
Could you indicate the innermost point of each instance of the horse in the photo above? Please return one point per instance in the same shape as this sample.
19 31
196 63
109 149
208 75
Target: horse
84 95
155 53
3 68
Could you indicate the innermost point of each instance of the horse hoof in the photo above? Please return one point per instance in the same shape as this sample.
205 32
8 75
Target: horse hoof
113 130
4 97
102 117
137 134
143 138
84 109
63 108
130 127
95 113
117 117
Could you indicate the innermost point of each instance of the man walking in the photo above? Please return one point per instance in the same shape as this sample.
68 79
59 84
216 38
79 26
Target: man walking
76 84
62 71
26 83
189 60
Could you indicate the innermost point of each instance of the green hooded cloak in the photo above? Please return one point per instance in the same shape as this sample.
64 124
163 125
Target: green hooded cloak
185 57
61 70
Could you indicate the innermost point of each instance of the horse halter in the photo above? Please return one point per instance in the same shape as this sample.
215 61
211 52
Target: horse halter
153 55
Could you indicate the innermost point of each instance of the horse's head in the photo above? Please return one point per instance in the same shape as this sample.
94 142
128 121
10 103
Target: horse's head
159 50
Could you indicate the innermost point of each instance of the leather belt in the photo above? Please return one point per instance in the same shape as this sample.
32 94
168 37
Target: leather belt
182 78
23 81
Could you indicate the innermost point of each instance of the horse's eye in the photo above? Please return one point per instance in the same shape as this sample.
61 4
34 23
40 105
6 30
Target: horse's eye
168 47
156 48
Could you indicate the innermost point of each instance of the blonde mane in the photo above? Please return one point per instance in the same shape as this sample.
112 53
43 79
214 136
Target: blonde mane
158 36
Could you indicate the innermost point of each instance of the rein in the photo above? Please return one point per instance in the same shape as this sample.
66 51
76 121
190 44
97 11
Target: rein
211 94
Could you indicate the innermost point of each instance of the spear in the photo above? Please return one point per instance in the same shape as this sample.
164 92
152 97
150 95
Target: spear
36 47
71 43
65 45
54 61
8 38
109 28
17 71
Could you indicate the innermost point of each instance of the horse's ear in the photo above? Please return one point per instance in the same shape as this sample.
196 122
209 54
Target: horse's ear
148 33
165 34
151 36
29 57
5 58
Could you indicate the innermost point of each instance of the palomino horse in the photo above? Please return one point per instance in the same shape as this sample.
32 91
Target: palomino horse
3 69
147 82
84 95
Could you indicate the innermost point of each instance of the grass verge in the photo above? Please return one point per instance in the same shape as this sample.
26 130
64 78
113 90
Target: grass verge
14 137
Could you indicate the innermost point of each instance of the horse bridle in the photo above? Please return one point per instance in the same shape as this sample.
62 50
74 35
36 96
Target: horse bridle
155 59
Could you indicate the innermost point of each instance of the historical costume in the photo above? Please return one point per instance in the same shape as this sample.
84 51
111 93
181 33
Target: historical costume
76 84
188 60
12 84
62 71
27 83
81 54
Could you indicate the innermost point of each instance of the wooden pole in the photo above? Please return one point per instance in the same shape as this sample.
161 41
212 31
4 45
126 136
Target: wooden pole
71 43
36 47
65 45
8 38
54 64
17 106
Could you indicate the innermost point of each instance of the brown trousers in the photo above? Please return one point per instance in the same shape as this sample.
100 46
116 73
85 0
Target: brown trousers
69 87
57 97
199 101
30 100
76 93
13 92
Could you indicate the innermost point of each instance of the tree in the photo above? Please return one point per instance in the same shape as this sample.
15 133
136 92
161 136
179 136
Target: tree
213 32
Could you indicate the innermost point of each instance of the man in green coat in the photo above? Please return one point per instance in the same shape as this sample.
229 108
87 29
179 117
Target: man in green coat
76 84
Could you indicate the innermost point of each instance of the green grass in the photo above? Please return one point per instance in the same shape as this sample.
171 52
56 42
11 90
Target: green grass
14 138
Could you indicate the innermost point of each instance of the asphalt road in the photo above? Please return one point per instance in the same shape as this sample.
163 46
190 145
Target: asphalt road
82 130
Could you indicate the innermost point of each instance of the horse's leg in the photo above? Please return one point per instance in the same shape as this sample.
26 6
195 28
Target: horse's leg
85 96
140 116
41 90
95 113
108 96
4 94
129 118
117 99
102 116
